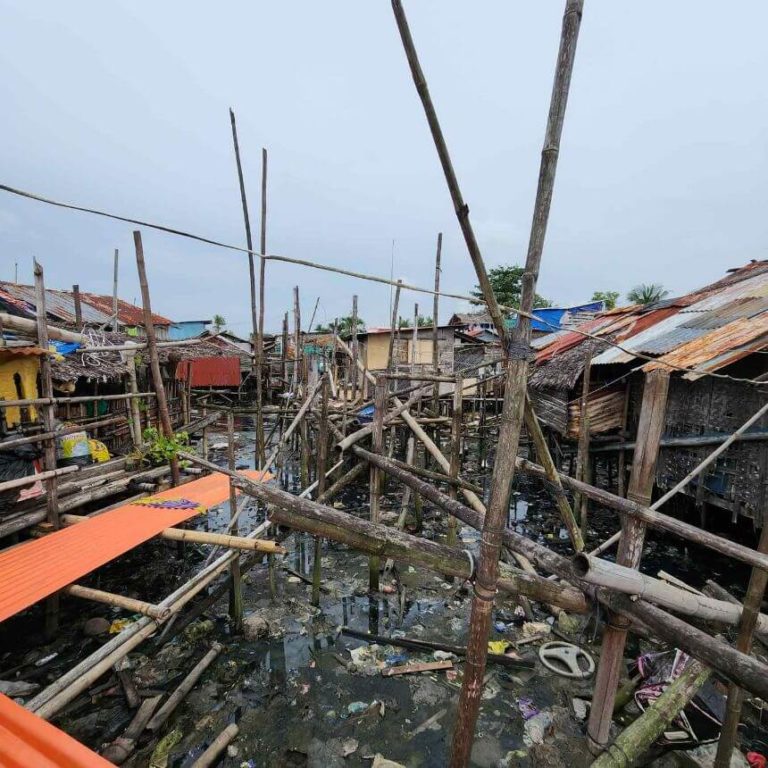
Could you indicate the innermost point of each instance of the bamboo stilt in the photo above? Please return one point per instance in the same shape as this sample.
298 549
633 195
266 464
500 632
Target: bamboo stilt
378 443
322 462
235 577
456 430
435 324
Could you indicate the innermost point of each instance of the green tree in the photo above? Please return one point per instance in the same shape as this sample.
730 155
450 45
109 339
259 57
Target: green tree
609 297
344 326
507 286
647 293
405 322
218 323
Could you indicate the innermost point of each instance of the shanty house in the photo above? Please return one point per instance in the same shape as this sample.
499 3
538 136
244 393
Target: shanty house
712 343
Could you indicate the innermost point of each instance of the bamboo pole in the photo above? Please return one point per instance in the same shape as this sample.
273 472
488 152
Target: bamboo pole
183 689
115 313
375 482
20 482
355 349
235 577
517 366
120 749
752 622
435 323
544 456
391 365
415 337
251 266
650 428
631 582
635 740
455 468
223 540
322 463
28 326
133 387
72 400
120 601
262 300
149 327
49 446
218 745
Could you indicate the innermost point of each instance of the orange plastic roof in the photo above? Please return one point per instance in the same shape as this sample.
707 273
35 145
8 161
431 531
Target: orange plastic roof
27 741
38 568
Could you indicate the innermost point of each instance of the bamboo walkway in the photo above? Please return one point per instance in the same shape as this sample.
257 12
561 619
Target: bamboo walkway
36 569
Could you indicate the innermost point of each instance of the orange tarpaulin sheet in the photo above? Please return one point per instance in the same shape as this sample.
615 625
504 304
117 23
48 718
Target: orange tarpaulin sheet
36 569
27 741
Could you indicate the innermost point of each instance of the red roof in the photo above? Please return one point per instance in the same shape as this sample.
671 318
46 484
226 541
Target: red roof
127 313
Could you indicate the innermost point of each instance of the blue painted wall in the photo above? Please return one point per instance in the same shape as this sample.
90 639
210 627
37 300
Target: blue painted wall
186 329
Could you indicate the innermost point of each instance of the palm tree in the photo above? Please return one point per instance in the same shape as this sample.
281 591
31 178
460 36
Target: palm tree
647 293
218 323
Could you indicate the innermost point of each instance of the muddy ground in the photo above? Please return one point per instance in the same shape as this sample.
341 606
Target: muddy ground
305 694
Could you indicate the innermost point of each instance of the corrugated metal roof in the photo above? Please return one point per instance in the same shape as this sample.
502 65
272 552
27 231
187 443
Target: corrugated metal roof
58 304
127 313
722 341
28 741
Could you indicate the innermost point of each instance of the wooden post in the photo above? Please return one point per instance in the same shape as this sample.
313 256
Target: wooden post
154 362
235 576
582 456
322 466
749 616
649 431
435 340
545 458
456 429
48 414
391 365
204 442
297 339
380 404
79 308
262 299
621 479
415 337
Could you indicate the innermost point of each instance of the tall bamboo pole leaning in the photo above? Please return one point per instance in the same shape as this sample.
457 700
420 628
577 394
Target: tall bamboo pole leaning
516 364
749 616
435 310
252 282
544 456
154 362
48 413
235 577
649 430
260 340
354 346
380 404
322 462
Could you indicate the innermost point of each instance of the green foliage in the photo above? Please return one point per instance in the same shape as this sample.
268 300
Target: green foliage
344 326
404 322
219 322
647 293
507 286
609 297
161 449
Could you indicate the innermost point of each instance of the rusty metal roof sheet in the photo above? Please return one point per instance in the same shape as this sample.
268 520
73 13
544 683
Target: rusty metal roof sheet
733 340
127 313
58 304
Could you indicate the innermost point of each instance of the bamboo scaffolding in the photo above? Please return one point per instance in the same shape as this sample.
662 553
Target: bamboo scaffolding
20 482
119 601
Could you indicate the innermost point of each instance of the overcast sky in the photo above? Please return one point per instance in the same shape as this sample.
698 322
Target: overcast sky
123 106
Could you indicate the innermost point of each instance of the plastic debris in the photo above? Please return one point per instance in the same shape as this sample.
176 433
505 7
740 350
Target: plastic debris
118 625
356 707
163 749
536 728
527 708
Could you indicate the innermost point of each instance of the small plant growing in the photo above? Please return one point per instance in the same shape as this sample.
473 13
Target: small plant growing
161 449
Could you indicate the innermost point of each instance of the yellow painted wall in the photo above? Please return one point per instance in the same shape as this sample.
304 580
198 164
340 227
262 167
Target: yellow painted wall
27 368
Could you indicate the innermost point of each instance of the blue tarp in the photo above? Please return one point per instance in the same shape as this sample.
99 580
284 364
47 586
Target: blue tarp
551 317
65 347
